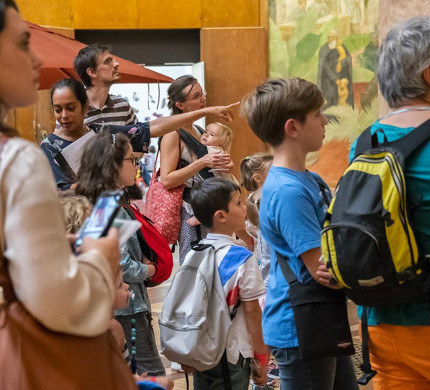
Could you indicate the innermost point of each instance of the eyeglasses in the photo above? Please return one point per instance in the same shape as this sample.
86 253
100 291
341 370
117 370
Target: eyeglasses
135 160
107 61
197 95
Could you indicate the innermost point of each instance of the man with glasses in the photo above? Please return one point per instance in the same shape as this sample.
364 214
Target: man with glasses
98 70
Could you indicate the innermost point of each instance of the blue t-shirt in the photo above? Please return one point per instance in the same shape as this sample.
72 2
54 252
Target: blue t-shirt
417 175
291 217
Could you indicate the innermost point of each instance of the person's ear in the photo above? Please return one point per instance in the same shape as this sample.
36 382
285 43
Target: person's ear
91 72
219 216
257 178
290 128
426 75
179 106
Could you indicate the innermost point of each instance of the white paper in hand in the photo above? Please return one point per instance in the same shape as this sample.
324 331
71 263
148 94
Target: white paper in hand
126 228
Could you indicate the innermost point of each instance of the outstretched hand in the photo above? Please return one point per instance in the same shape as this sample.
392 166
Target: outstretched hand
224 113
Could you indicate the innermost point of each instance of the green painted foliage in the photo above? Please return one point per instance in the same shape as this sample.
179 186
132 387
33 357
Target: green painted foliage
357 41
307 47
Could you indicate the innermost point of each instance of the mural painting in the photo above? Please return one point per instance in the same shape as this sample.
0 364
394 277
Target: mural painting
334 44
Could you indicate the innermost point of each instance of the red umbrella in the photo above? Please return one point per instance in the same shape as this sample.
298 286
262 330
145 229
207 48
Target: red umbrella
58 53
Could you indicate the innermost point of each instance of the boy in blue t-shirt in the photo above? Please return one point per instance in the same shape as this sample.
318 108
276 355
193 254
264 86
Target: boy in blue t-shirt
286 113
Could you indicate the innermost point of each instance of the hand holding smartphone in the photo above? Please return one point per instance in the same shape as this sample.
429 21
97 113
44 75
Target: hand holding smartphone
99 222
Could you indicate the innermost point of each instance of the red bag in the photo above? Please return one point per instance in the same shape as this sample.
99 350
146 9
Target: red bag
154 246
163 207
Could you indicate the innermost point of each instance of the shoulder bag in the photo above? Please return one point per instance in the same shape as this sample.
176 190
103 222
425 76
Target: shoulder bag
163 207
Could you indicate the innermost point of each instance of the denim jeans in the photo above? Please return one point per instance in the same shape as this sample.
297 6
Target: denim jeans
323 374
213 379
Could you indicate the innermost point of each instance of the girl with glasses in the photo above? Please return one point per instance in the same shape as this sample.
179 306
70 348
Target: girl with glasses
108 163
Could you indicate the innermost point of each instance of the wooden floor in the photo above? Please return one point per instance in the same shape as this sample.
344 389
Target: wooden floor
157 294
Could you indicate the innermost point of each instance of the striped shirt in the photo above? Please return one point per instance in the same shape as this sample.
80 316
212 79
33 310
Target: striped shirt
116 111
241 279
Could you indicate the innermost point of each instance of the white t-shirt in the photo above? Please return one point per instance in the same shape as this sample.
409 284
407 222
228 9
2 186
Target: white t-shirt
241 279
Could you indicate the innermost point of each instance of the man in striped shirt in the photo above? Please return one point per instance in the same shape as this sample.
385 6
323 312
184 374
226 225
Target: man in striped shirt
98 70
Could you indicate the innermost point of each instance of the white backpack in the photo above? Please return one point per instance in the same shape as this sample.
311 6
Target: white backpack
195 320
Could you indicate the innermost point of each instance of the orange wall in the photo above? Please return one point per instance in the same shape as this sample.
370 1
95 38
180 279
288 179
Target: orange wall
230 13
47 12
147 14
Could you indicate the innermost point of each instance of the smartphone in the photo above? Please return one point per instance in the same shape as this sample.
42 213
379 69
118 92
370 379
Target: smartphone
99 222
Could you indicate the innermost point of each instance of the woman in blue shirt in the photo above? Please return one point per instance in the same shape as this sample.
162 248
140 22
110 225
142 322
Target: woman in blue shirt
400 336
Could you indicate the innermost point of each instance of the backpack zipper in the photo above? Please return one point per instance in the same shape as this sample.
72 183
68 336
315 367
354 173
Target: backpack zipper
394 167
347 226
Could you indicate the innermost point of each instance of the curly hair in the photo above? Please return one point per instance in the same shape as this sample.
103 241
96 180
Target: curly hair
76 209
101 161
226 135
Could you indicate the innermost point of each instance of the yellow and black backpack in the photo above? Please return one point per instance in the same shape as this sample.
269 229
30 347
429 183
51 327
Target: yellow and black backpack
367 241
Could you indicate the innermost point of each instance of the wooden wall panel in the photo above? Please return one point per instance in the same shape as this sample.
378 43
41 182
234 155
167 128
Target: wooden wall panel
147 14
234 66
230 13
47 12
36 121
168 14
24 122
106 14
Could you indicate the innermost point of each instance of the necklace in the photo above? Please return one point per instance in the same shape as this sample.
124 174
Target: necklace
406 110
133 365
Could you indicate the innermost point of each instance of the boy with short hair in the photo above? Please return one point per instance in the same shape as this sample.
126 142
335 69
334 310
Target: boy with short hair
286 113
218 206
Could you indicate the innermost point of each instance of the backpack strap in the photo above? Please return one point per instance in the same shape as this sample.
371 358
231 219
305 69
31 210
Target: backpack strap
368 373
406 145
364 142
218 244
288 273
200 129
144 247
198 149
323 189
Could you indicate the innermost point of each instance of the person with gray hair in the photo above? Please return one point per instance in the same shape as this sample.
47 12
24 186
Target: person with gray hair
400 335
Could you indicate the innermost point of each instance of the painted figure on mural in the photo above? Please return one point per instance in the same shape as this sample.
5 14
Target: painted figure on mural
320 8
335 72
353 8
298 12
